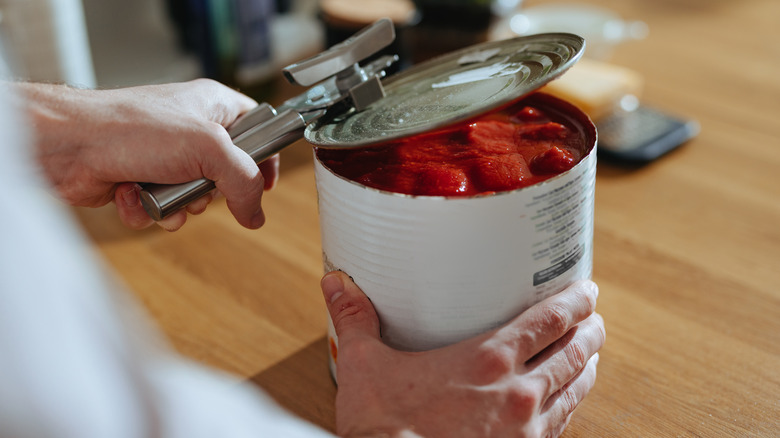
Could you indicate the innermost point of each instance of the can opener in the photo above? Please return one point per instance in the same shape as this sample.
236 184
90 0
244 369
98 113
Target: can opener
351 107
264 131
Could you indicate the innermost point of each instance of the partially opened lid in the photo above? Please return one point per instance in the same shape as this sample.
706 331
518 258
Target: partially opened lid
451 88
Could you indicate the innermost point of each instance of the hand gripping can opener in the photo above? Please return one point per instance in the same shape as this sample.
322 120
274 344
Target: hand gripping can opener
265 130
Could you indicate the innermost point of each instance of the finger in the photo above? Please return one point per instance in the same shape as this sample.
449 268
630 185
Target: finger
237 177
127 198
544 323
243 191
174 221
270 170
564 359
558 408
199 205
350 310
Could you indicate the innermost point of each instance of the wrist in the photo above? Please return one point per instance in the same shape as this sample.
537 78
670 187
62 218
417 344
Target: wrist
61 121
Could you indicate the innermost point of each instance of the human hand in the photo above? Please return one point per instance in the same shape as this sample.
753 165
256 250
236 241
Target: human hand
94 145
524 379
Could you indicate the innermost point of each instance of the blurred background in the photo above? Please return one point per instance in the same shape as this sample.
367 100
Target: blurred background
245 43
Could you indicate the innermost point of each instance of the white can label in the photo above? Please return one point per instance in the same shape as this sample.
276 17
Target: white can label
439 270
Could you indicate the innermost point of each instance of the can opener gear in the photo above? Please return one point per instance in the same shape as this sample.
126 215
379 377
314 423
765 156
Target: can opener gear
264 131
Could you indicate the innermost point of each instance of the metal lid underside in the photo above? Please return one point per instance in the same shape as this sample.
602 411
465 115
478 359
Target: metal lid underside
450 89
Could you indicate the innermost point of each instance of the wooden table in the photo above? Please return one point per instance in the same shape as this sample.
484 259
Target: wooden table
687 251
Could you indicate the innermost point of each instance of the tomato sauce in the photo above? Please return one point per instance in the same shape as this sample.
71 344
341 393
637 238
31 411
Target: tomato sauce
514 147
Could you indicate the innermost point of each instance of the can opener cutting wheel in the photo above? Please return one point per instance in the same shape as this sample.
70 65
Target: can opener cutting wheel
265 130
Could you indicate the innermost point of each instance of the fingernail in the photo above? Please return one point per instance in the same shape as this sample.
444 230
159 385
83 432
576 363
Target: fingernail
332 287
131 197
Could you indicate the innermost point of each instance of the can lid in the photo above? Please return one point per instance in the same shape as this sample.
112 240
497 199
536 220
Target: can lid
451 88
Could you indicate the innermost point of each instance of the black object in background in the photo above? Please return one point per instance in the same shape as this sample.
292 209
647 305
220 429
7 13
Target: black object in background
642 135
448 25
225 35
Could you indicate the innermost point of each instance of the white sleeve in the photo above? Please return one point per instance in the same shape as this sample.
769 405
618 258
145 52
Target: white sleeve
76 359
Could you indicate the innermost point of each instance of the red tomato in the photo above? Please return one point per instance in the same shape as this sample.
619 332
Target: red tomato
503 150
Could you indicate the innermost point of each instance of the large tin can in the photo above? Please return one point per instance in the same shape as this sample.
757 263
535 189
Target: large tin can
441 269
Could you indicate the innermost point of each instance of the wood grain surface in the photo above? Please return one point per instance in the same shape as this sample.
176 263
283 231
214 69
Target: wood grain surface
687 251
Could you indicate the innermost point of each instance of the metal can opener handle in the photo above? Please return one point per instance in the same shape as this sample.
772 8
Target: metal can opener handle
265 131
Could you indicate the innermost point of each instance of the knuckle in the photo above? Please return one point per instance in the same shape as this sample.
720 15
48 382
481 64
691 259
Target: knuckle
217 134
349 312
211 141
576 355
226 161
522 402
590 298
346 312
556 318
205 82
594 332
215 97
495 361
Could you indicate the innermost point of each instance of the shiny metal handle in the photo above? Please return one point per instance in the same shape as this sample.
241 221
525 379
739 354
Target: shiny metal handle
259 114
261 142
342 56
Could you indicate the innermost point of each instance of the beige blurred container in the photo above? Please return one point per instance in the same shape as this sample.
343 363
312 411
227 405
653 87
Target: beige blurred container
439 270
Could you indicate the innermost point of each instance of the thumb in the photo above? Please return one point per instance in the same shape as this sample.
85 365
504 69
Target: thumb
350 309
